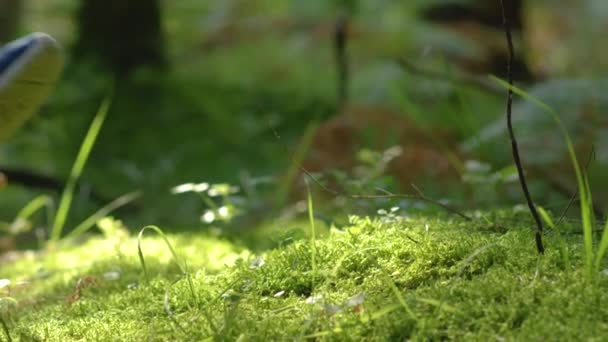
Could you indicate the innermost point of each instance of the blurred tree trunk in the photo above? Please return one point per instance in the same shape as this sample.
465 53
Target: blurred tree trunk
485 12
10 15
121 34
482 21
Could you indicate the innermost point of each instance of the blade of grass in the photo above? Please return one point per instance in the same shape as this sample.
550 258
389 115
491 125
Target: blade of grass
563 248
103 212
39 202
311 218
81 159
400 298
603 247
183 268
33 206
588 219
158 231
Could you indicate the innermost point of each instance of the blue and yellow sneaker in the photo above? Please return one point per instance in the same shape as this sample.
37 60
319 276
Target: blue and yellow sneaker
29 69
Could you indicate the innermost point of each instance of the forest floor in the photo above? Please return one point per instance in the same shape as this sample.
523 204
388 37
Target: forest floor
214 117
374 279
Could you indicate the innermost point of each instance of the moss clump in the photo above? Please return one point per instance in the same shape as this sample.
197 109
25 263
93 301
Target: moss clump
374 280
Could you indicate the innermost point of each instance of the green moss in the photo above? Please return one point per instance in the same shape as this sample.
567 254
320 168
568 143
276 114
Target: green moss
456 279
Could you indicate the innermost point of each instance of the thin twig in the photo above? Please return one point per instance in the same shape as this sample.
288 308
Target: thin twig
388 195
438 203
514 147
573 198
422 197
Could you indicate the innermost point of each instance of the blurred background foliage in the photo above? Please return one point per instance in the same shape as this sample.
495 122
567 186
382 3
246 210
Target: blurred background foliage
201 88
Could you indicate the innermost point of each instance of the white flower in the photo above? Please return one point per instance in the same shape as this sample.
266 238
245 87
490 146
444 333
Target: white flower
4 283
223 211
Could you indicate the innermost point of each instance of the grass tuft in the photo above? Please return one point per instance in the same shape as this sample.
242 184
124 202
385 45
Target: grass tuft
85 149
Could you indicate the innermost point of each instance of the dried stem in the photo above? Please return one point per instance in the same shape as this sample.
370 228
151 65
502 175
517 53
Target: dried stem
514 147
573 198
388 195
471 80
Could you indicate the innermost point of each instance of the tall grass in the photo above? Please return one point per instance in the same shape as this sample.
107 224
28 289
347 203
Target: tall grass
83 154
313 233
593 258
158 231
59 216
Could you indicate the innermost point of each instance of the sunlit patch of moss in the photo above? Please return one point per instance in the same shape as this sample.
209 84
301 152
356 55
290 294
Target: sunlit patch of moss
411 278
59 270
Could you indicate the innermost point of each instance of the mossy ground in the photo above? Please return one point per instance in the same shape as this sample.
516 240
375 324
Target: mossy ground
416 278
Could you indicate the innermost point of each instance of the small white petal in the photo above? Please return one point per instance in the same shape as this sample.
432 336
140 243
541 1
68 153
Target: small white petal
200 187
208 217
183 188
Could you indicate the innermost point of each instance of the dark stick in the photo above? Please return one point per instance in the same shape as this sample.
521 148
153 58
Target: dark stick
514 148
